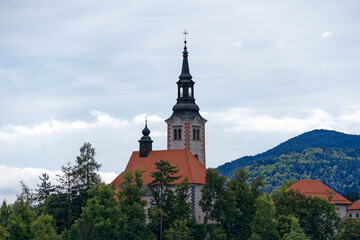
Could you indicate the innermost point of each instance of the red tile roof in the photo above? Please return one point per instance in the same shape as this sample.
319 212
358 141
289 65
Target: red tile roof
314 188
355 206
187 164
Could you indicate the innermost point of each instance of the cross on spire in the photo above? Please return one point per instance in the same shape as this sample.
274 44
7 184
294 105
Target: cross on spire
185 33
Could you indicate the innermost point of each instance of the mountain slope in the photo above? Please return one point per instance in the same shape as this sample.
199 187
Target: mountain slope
337 168
313 139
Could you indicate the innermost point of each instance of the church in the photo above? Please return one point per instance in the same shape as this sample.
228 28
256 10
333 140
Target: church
185 143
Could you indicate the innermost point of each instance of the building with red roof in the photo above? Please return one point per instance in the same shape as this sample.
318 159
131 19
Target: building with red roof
185 144
315 188
353 212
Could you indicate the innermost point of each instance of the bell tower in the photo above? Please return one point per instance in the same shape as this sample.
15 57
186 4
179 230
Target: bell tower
186 127
145 142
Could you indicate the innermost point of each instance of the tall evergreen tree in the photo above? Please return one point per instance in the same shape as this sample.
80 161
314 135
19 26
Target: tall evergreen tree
27 194
132 207
67 191
212 195
163 195
263 223
237 225
44 190
182 205
86 167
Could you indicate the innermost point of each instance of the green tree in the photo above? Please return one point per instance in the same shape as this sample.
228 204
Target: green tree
296 232
132 207
182 209
101 217
57 205
178 231
44 190
72 192
348 230
263 222
4 233
219 233
237 224
43 228
212 195
86 167
26 194
20 220
316 215
61 206
163 195
5 211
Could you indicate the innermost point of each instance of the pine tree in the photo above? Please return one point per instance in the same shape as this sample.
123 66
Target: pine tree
86 167
163 195
132 207
212 195
44 190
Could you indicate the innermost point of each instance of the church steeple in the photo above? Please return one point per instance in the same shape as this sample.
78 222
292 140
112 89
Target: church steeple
145 142
185 106
186 127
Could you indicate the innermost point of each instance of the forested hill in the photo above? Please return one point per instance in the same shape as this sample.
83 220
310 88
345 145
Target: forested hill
325 139
337 168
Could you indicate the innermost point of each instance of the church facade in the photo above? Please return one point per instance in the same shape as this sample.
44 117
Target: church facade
185 144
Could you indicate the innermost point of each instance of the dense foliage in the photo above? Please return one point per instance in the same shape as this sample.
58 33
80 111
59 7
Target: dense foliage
80 207
313 139
338 169
242 212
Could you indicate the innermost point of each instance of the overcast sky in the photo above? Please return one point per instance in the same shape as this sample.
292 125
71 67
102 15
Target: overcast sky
89 71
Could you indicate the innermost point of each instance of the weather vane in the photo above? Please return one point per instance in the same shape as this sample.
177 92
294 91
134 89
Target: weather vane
145 119
185 33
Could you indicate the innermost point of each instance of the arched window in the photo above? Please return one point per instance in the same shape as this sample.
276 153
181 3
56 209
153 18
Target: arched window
177 132
196 133
190 92
181 92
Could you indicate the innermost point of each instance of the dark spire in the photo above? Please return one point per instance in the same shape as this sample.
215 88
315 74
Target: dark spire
185 107
145 142
185 72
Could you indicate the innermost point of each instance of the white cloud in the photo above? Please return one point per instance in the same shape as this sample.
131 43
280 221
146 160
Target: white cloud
247 119
12 132
326 35
236 44
140 118
10 178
